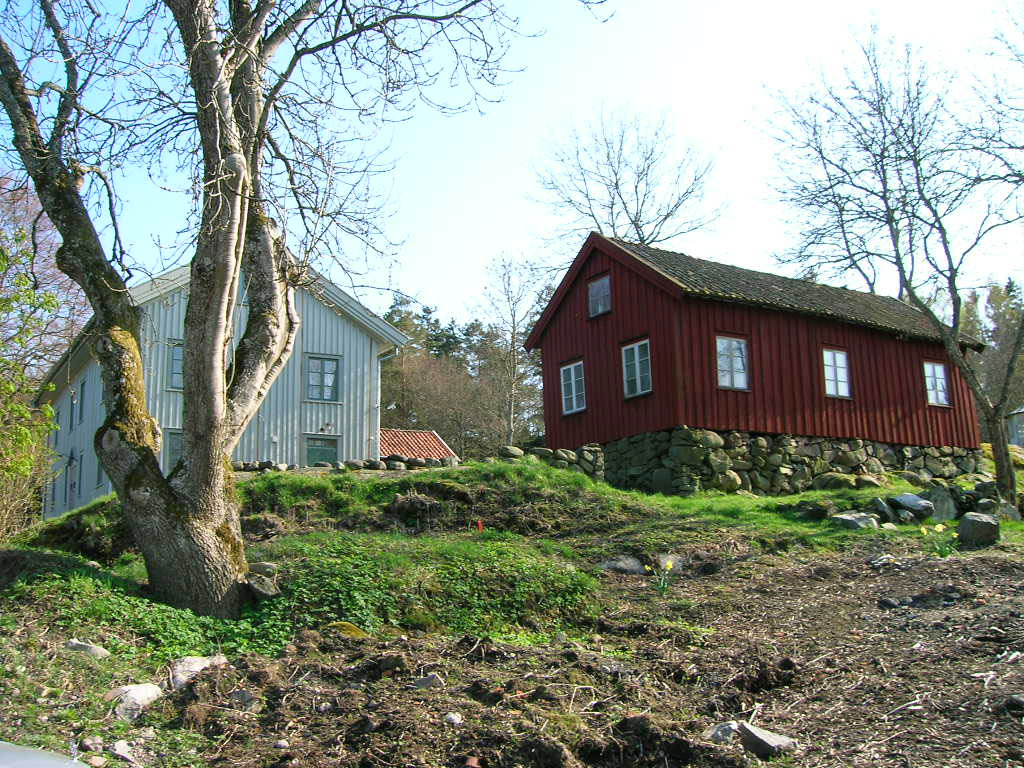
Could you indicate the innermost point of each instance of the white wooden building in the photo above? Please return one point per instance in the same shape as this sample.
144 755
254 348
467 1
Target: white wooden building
323 406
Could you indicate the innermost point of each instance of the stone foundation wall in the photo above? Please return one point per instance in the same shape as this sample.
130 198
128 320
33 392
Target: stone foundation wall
587 459
685 460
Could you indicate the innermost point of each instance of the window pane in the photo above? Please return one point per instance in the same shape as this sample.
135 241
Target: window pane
599 298
315 392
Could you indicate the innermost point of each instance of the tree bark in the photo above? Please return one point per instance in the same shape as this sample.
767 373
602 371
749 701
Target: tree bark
1006 478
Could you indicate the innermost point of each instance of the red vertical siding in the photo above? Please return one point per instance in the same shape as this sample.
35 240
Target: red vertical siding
787 391
640 310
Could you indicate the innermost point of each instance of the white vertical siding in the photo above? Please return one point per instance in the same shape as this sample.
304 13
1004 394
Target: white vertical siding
279 429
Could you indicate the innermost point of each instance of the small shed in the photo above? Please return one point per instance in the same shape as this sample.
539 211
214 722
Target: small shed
417 443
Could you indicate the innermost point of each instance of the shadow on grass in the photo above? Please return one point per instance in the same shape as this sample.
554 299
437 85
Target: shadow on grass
27 565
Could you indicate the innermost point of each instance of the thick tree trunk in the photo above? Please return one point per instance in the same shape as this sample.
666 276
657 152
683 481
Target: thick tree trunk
1006 478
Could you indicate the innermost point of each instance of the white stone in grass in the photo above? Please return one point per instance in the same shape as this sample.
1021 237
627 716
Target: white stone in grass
132 699
185 669
96 651
453 718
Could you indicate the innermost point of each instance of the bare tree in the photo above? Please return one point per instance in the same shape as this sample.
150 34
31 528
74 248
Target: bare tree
891 191
622 178
54 326
263 102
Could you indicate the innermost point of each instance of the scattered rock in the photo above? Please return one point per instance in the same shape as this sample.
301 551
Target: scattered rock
921 508
977 529
132 699
453 718
943 503
890 526
147 733
889 603
185 669
1007 511
1015 703
762 743
91 744
433 680
622 564
96 761
817 510
722 733
666 561
264 569
261 587
390 663
855 520
281 744
96 651
123 750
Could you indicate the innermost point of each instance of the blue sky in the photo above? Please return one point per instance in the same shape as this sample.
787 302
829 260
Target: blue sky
464 188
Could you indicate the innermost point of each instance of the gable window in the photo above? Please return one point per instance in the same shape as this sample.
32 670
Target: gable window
322 378
599 296
935 383
321 449
174 445
175 365
636 368
732 362
837 373
574 397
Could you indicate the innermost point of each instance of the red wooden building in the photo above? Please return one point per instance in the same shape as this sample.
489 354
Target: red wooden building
638 339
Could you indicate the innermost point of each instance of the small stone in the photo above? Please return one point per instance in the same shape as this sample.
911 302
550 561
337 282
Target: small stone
453 718
433 680
855 520
722 733
890 526
261 587
913 503
764 744
147 733
889 603
96 761
1015 703
132 699
123 750
185 669
245 701
96 651
622 564
281 744
91 744
392 662
263 569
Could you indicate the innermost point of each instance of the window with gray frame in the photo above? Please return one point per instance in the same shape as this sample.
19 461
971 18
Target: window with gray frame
321 449
322 378
175 364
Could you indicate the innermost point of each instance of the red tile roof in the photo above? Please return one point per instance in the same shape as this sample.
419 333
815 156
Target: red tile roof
414 443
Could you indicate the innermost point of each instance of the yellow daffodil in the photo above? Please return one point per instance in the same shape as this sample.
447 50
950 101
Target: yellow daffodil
940 528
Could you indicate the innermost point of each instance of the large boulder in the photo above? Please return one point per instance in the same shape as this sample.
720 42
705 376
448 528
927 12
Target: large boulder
855 520
943 504
978 530
510 452
921 508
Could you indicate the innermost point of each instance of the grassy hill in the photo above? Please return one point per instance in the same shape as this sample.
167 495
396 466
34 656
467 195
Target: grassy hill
487 577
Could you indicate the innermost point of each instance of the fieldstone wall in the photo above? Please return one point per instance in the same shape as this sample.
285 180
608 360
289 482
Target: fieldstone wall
587 459
685 460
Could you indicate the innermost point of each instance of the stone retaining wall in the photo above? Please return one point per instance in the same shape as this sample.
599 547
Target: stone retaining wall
587 459
685 460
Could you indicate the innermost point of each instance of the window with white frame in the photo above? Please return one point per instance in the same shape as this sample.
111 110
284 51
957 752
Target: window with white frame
732 362
599 296
636 368
837 373
574 397
322 378
935 383
175 364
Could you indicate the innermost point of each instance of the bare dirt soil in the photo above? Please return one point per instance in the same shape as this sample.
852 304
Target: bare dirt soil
867 658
